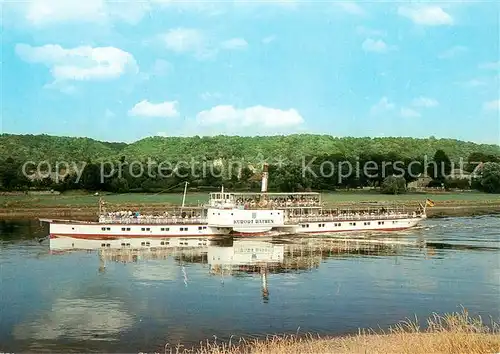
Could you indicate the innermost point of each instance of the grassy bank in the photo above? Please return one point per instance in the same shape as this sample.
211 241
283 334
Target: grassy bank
84 205
451 333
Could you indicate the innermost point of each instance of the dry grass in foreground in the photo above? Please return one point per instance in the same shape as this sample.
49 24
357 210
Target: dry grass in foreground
451 333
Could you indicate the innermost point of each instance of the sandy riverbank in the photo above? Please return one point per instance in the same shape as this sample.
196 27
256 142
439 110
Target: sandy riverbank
451 333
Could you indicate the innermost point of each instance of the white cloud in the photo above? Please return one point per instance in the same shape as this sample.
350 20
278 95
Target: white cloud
427 15
351 7
183 40
382 106
492 105
234 43
194 41
375 45
269 39
409 113
452 52
493 65
256 116
45 12
370 32
425 102
80 63
206 96
62 86
167 109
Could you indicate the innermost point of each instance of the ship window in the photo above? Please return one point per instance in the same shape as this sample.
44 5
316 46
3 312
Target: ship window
108 228
231 213
128 228
307 225
147 229
72 228
103 245
162 243
143 243
107 245
143 229
204 227
123 245
128 244
103 228
185 229
147 243
123 229
319 225
200 228
167 243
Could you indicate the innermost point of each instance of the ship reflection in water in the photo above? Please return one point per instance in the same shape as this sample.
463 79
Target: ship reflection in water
233 256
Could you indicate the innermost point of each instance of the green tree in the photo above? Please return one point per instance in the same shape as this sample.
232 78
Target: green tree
440 167
393 185
119 185
490 179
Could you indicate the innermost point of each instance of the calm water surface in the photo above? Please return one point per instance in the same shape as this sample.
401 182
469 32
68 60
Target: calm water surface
123 301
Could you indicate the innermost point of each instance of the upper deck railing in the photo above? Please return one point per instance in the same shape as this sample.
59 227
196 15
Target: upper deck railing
350 217
152 220
265 200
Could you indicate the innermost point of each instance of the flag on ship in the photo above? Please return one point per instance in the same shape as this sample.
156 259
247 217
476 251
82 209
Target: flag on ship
430 203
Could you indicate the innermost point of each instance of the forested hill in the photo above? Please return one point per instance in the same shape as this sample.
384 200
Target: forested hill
45 147
56 148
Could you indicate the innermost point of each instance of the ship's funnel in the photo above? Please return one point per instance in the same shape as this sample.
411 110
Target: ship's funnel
265 177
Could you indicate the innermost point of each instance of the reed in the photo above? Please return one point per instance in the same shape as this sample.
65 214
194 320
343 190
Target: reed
449 333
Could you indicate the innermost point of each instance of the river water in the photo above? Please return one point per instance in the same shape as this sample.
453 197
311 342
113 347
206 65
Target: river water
125 301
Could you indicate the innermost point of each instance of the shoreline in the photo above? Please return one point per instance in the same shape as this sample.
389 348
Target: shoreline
90 212
448 333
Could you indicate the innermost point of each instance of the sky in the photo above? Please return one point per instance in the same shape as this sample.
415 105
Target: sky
125 70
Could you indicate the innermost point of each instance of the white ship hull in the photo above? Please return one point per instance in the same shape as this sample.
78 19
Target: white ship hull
110 231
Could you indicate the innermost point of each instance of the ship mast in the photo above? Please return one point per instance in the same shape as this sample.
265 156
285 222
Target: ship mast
265 178
184 195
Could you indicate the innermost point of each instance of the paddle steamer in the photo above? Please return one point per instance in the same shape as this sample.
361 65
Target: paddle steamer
241 214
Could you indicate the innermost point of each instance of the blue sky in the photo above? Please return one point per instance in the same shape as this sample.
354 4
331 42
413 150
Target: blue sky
123 71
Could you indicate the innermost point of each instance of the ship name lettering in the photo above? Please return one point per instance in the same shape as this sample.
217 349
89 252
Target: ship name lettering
254 221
